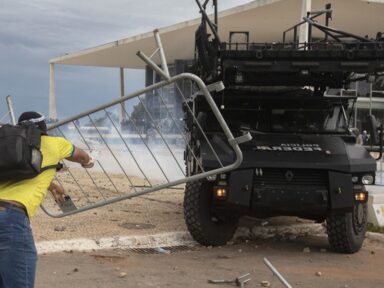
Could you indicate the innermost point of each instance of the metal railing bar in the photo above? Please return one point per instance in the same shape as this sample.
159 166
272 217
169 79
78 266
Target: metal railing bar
113 155
152 64
155 188
69 170
232 142
112 103
98 162
170 188
181 132
216 112
154 52
161 134
62 186
172 119
129 150
198 124
5 116
163 60
146 145
277 274
10 109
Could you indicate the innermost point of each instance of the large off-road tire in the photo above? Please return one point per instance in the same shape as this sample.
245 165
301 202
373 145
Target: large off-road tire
346 232
206 228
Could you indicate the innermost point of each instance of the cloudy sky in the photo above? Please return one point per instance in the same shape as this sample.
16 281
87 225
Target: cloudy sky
33 31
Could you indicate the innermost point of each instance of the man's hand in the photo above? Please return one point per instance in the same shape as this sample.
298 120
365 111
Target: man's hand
82 157
57 192
90 163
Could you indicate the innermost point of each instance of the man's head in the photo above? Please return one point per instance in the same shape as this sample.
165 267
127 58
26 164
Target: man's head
36 118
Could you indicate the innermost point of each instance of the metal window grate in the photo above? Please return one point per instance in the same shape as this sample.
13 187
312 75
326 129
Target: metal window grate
292 177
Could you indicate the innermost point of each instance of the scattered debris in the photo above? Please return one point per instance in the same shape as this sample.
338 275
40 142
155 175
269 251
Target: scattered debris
318 273
277 274
60 228
265 283
223 257
292 237
239 281
243 233
122 275
306 250
162 250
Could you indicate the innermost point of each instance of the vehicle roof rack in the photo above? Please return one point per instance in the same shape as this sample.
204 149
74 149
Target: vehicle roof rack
322 62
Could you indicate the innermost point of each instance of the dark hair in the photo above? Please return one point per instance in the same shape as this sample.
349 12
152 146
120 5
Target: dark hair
36 118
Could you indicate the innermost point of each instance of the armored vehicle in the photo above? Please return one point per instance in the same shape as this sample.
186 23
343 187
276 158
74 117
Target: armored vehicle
303 159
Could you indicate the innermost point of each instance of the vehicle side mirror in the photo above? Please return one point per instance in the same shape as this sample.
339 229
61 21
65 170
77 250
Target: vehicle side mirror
373 129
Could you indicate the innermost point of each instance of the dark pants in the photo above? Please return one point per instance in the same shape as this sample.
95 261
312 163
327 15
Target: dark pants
17 249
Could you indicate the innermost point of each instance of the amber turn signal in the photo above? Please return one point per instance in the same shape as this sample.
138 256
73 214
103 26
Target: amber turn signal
220 192
361 196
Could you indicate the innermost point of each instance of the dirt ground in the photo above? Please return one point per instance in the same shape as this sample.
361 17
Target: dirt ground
192 267
150 214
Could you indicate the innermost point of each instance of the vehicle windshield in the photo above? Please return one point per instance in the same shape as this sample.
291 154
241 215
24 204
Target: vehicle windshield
307 120
299 117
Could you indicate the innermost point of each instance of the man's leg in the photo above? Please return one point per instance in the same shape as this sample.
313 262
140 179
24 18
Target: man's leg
17 251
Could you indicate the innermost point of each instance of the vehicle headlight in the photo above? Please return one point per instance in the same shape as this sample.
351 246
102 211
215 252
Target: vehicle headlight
212 178
355 179
223 176
367 179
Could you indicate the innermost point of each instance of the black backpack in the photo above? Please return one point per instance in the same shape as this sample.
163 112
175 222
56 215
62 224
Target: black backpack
20 155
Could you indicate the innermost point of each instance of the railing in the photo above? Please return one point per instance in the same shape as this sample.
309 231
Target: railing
9 114
314 46
138 154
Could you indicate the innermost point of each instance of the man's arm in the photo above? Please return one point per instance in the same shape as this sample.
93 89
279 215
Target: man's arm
57 192
79 156
82 157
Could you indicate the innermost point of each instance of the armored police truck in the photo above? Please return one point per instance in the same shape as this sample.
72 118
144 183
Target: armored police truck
303 159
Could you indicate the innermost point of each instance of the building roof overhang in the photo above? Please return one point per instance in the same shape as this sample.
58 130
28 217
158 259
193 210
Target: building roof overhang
264 19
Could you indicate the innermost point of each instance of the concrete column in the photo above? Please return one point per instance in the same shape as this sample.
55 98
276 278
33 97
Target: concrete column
122 115
303 33
52 95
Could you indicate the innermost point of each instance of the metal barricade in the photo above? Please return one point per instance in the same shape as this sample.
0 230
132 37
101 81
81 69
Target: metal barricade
10 112
139 142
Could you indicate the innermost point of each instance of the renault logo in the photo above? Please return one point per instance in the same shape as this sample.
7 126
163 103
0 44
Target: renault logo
289 175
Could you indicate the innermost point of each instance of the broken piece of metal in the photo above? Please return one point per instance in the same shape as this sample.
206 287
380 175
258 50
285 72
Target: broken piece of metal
277 274
239 281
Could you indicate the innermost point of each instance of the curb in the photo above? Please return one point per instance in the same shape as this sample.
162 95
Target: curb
373 236
172 239
176 239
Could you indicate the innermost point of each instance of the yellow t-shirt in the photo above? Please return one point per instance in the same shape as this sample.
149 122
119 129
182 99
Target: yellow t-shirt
31 192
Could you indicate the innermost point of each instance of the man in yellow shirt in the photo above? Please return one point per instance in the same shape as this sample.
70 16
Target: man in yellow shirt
19 201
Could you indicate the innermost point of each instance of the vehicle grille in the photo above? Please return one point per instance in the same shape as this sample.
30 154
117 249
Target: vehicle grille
291 177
